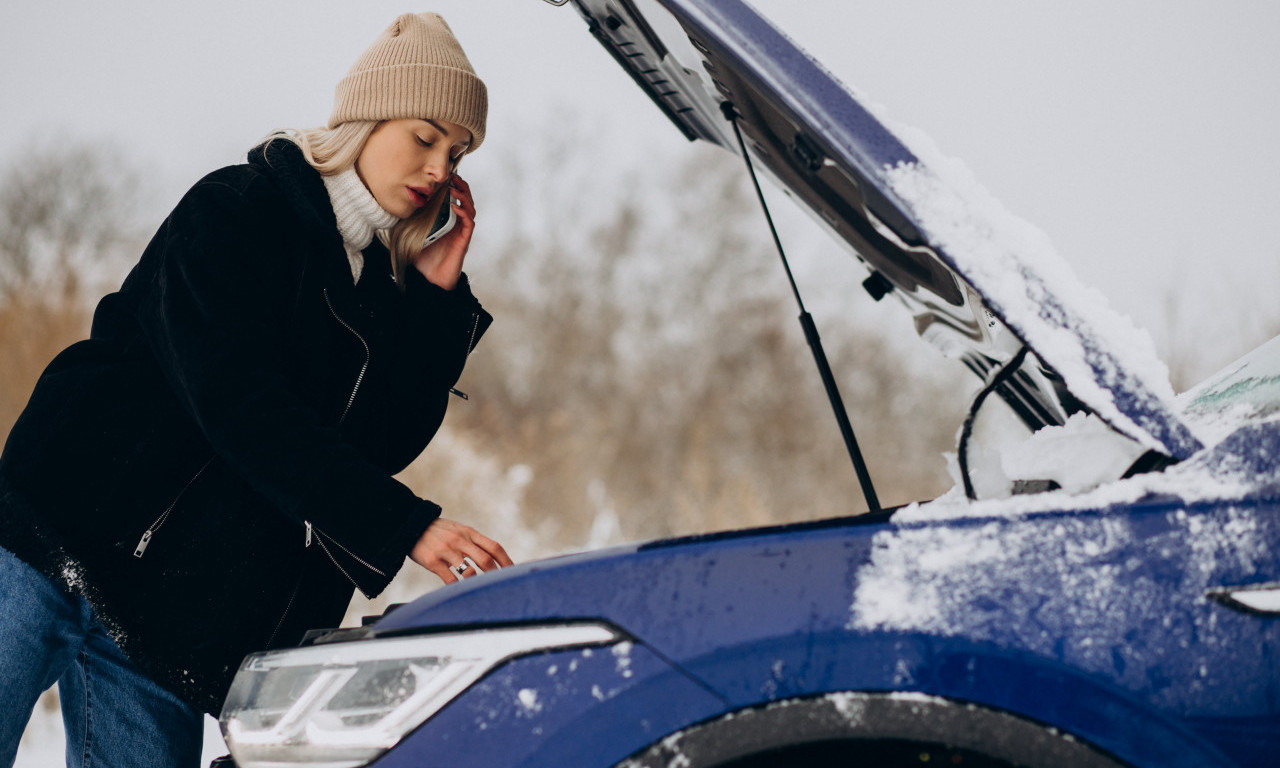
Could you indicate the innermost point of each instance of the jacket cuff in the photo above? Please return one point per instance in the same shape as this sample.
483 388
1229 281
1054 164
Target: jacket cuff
418 288
401 541
455 317
367 521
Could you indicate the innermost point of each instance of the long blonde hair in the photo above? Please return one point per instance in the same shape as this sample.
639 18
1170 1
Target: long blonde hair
332 151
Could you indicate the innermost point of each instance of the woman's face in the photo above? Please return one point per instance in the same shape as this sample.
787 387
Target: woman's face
406 161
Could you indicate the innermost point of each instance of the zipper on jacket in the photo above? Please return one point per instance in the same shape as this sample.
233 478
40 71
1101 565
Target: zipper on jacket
313 534
475 326
471 343
288 606
317 536
367 356
145 541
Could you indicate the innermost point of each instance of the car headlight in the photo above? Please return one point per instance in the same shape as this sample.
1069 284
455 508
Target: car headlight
343 704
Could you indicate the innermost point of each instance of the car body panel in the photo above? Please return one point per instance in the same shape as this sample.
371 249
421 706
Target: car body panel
1090 619
580 707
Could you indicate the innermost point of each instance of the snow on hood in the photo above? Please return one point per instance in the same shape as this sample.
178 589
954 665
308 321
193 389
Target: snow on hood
1243 465
1077 582
1107 362
964 267
1075 588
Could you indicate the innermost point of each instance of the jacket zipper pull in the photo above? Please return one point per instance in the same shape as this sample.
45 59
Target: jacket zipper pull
471 343
142 545
308 524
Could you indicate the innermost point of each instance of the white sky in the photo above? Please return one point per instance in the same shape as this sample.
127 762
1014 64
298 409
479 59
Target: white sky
1137 133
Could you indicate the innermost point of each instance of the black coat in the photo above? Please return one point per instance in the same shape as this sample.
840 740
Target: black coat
241 400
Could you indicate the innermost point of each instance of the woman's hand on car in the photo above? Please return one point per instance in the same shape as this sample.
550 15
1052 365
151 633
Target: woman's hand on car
441 262
447 544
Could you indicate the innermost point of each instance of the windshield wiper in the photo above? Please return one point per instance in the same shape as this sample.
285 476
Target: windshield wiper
810 330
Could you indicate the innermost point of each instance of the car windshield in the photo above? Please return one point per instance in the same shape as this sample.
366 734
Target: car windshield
1246 390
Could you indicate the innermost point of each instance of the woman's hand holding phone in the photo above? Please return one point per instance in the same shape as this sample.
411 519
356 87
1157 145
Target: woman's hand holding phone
441 261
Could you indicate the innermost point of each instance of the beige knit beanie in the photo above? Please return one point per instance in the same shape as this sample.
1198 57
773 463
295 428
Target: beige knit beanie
416 68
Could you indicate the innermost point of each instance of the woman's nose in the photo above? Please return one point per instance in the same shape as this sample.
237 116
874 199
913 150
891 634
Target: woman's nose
437 169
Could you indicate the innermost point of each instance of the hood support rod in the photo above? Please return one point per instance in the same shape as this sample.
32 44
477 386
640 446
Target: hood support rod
810 330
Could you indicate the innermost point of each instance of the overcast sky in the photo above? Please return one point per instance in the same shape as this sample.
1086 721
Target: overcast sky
1138 134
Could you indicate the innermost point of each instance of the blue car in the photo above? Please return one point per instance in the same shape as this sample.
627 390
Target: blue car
1101 588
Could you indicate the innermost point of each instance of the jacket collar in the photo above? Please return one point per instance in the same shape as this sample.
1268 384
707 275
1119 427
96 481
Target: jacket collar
282 161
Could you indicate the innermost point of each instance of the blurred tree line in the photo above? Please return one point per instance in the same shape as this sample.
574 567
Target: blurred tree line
67 232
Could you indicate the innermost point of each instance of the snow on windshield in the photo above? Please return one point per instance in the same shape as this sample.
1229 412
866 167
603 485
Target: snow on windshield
1106 361
1248 389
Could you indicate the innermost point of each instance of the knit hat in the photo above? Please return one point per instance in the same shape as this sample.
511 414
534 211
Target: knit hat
416 68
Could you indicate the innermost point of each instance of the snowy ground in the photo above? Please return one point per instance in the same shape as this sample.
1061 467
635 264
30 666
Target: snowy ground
43 744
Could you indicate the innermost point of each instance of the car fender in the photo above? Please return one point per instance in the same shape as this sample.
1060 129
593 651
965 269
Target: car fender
936 690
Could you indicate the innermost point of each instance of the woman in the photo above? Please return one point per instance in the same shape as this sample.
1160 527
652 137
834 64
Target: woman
210 472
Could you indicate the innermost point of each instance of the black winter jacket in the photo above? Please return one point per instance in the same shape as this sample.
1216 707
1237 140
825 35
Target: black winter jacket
212 468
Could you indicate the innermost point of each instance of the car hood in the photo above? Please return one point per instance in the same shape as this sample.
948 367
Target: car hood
977 283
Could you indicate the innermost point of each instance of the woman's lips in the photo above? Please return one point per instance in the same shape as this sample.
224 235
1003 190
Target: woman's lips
419 195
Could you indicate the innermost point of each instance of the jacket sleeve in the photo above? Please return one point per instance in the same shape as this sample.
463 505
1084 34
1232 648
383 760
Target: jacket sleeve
438 330
215 320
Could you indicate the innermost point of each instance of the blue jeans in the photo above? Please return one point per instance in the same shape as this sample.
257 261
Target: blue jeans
114 715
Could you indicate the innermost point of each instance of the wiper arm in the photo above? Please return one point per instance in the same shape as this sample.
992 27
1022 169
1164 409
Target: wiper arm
810 331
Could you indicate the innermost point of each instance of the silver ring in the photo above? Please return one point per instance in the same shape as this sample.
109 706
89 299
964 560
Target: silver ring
461 568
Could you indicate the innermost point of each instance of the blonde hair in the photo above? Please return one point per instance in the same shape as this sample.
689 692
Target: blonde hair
332 151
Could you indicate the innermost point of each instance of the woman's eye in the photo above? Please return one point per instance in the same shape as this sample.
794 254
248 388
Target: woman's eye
422 141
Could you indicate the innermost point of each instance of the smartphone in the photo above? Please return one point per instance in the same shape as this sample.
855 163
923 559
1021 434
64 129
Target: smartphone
445 219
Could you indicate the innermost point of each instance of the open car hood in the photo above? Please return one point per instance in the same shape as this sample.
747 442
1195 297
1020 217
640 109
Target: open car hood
977 282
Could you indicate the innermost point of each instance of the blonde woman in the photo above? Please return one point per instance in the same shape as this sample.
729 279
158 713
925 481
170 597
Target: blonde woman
210 472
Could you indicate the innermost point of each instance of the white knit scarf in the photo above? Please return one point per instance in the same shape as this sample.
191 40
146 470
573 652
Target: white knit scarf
359 216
